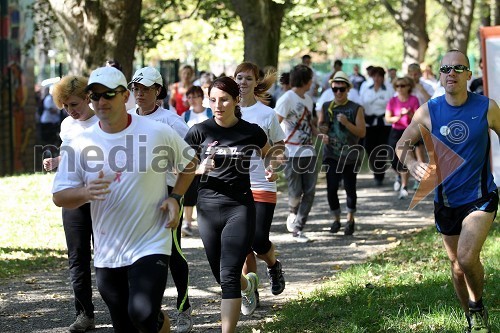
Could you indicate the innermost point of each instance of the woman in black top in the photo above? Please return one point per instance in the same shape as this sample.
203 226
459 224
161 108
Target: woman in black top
226 210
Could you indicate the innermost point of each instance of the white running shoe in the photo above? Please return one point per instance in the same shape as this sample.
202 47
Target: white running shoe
397 185
403 194
290 222
301 237
248 299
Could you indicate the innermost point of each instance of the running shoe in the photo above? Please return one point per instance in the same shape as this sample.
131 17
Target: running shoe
349 228
248 299
290 222
82 324
479 321
186 230
335 227
300 237
403 194
397 185
276 278
184 321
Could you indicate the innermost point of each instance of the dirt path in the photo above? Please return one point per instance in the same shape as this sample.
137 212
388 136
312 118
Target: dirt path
42 303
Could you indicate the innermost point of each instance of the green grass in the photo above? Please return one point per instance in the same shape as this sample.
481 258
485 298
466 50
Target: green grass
407 289
32 236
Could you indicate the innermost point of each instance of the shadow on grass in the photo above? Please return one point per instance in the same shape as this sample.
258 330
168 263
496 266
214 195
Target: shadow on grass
18 261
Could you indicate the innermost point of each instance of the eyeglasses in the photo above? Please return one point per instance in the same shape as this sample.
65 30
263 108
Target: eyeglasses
341 89
144 90
110 94
401 85
446 69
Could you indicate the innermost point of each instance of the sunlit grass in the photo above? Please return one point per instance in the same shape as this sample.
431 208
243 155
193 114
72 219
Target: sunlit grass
407 289
32 235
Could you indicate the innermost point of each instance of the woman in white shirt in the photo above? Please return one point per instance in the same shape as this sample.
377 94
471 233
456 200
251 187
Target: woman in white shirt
69 93
252 91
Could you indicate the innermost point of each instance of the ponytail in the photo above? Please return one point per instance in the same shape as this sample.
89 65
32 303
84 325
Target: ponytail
237 112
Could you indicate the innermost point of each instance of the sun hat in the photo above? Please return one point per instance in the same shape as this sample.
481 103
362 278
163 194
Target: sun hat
109 77
340 76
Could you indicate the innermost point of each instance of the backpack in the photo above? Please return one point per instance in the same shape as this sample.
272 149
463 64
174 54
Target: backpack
187 114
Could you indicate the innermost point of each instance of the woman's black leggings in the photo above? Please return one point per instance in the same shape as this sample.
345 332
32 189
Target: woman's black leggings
78 231
227 229
134 293
264 217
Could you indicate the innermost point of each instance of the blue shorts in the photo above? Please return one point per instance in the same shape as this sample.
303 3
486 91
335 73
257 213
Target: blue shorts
449 220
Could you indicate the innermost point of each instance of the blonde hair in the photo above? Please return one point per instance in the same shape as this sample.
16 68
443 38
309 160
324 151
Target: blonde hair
70 85
407 81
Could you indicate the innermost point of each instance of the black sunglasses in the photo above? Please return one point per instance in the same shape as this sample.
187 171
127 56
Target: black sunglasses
446 69
341 89
401 86
110 94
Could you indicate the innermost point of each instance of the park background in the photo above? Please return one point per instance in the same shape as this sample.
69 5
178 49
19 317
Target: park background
43 39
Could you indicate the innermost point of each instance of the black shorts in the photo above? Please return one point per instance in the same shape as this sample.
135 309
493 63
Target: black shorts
449 220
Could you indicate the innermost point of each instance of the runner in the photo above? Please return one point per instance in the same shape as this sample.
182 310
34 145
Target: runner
226 209
466 202
254 111
69 93
132 213
147 87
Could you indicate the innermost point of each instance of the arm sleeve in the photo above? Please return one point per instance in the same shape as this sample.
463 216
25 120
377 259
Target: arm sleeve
282 107
182 152
275 132
180 127
69 173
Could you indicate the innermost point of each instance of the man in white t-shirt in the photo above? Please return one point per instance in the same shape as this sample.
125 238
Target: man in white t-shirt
294 113
423 91
119 165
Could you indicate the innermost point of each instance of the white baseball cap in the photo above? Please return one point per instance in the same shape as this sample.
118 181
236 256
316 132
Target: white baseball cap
147 76
109 77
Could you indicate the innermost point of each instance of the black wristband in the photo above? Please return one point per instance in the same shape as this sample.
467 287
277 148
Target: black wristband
179 198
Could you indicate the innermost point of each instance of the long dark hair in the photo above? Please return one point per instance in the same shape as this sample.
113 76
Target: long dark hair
229 86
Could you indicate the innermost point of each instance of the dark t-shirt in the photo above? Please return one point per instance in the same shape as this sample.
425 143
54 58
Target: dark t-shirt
232 149
476 86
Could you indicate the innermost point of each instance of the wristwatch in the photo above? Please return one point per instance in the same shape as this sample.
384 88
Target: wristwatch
178 197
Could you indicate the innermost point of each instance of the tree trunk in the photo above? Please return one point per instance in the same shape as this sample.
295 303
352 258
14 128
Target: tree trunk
261 20
412 20
95 31
460 13
495 5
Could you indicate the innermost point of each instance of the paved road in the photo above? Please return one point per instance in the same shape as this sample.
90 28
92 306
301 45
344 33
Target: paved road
42 303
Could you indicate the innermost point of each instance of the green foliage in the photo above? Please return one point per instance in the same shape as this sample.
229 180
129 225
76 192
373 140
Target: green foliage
44 25
156 14
407 289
